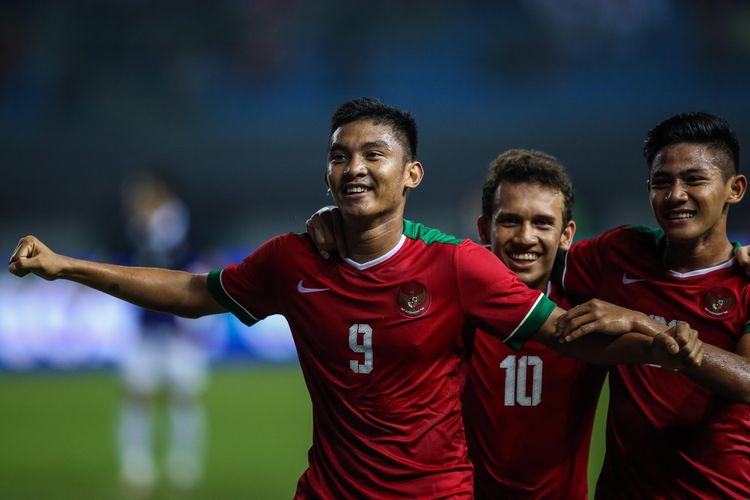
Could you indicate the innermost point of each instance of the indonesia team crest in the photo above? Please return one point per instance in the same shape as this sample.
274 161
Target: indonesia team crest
718 301
412 299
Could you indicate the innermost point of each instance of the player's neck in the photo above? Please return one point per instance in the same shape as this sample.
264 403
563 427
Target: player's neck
682 256
375 240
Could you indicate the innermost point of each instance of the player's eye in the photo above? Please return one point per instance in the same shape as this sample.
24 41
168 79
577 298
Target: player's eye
695 179
544 223
659 183
337 157
373 155
508 222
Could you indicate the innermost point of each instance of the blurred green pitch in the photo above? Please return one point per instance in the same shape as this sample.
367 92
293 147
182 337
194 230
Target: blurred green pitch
57 439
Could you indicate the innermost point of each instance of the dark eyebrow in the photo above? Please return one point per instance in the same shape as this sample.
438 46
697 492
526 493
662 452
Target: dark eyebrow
337 146
695 170
376 145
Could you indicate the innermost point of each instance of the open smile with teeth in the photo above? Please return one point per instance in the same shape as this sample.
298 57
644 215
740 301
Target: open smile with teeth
356 189
680 215
524 257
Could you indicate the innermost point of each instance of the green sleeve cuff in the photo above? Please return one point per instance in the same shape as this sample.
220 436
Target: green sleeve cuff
216 288
531 323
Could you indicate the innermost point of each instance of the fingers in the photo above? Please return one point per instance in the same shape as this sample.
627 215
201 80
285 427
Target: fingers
316 237
338 234
691 347
680 347
665 341
20 260
320 234
578 327
743 258
564 321
324 227
594 316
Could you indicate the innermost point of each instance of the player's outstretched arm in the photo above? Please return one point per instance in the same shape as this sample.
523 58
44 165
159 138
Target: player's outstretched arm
174 292
326 228
622 342
743 258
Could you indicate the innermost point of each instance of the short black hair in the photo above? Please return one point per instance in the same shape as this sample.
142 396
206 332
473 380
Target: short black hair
695 128
518 166
368 108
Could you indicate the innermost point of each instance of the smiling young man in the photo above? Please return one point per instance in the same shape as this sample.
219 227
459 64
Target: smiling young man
528 413
676 434
381 334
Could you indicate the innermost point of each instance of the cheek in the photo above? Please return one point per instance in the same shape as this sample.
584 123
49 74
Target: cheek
501 236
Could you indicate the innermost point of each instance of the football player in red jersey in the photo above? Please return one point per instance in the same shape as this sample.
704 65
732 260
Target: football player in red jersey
517 449
381 335
676 434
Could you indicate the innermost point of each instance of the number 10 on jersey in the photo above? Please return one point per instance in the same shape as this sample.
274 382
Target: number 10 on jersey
516 380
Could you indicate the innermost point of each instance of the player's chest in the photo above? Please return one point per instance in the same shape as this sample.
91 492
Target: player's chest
413 312
712 306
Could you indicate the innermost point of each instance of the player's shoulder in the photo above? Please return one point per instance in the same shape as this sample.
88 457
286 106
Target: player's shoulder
631 237
286 246
430 236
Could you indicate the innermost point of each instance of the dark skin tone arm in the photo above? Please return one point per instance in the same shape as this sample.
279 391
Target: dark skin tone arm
723 372
176 292
630 337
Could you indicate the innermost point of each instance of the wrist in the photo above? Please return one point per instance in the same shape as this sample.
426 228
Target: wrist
648 326
67 268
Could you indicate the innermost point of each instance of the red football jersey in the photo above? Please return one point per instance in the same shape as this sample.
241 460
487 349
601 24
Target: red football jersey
381 346
528 417
667 437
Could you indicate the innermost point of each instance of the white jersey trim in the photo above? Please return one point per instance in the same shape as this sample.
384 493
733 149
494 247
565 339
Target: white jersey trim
699 272
528 313
221 282
382 258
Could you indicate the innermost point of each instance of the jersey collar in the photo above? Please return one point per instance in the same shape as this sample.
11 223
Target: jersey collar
699 272
375 262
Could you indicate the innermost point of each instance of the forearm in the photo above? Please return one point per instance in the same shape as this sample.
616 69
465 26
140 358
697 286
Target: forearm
629 348
175 292
632 347
723 372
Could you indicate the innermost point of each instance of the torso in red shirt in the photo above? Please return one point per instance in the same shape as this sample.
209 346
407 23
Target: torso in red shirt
381 348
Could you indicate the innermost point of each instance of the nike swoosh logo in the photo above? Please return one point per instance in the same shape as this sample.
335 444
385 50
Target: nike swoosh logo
630 281
303 289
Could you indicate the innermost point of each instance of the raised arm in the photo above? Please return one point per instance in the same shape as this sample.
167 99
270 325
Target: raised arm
175 292
723 372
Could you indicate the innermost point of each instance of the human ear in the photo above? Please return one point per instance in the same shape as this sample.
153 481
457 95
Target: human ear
566 237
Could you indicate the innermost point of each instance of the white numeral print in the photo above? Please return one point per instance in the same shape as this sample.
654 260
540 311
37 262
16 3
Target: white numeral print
364 347
515 380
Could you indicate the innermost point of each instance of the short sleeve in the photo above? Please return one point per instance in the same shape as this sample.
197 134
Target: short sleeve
247 289
496 300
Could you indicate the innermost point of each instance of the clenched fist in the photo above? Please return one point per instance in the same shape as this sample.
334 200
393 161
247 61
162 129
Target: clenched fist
33 256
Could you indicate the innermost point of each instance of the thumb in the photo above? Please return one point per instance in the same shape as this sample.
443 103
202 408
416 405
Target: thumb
20 266
666 342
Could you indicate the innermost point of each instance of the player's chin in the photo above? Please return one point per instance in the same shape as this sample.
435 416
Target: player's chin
680 232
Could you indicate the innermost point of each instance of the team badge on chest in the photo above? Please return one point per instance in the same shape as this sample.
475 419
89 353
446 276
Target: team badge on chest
412 299
718 301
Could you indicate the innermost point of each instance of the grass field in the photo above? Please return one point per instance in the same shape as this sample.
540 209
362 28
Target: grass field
56 436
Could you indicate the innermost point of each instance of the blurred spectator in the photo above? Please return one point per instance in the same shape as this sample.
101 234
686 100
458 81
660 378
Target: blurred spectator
165 357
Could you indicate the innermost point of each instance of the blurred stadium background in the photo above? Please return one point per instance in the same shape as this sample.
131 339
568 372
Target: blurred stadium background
231 100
